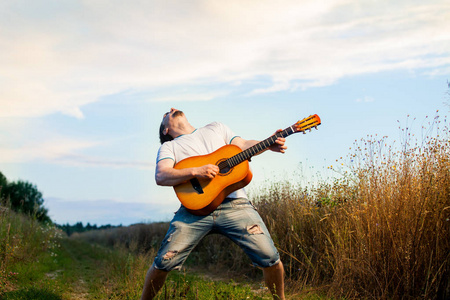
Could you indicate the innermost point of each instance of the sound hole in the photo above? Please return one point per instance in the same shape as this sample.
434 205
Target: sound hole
224 167
225 170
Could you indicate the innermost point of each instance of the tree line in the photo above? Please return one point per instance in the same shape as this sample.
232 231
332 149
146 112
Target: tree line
23 197
79 228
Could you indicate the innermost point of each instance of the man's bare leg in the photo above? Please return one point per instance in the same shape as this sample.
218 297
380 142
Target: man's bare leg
154 281
274 277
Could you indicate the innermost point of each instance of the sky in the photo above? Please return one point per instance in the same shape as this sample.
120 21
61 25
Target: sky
84 85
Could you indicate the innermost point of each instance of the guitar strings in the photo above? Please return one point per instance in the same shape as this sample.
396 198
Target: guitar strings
248 153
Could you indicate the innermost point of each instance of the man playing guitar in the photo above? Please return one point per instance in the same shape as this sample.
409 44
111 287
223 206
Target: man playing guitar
235 216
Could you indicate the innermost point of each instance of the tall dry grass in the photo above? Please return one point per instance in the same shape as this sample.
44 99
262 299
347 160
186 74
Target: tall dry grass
380 231
138 238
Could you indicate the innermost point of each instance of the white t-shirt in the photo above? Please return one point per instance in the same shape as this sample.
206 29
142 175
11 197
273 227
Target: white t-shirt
202 141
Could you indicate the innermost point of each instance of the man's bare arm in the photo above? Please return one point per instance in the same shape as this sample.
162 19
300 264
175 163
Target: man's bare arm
167 175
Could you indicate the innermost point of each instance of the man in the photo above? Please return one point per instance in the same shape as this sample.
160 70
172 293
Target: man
235 218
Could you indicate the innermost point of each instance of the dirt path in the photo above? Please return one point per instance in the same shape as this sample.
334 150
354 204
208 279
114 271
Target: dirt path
81 266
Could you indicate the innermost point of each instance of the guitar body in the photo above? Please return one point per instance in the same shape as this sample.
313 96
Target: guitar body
203 196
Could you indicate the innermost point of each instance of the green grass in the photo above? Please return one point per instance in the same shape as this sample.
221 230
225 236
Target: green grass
32 293
71 268
188 286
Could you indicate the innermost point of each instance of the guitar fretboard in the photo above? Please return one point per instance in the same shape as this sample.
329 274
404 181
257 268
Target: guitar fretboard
261 146
307 123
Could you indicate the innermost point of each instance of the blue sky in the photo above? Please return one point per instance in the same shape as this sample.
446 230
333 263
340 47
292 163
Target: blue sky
84 85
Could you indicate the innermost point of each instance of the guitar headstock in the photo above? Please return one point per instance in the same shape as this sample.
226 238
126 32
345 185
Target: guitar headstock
307 123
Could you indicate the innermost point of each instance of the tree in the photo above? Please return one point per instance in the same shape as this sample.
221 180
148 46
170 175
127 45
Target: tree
3 184
26 198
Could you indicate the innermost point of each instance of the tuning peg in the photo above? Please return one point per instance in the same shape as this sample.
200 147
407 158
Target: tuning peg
304 132
316 127
309 129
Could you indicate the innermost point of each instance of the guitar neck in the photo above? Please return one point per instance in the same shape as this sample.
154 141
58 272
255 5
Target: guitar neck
255 149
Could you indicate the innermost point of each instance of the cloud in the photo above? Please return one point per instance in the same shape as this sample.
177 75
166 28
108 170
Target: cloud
87 160
49 149
171 96
64 151
43 144
57 58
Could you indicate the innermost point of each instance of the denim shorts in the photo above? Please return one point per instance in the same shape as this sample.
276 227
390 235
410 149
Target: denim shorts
237 219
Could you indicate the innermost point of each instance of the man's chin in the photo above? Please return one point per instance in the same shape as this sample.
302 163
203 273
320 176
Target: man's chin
178 113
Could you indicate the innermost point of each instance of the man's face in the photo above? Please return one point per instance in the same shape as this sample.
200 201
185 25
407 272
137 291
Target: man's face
169 117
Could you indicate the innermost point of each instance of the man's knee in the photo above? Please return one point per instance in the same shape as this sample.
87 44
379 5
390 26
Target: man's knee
155 273
275 267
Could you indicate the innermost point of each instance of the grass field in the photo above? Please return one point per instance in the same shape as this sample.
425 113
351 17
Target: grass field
379 230
72 268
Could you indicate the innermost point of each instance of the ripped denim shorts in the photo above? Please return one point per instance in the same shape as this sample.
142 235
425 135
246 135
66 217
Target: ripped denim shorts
235 218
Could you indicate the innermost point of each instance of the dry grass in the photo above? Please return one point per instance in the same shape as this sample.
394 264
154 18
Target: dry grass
380 231
138 238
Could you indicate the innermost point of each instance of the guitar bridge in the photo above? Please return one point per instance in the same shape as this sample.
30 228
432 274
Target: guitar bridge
196 185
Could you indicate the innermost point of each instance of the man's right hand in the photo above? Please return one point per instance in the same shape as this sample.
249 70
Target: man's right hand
207 171
167 175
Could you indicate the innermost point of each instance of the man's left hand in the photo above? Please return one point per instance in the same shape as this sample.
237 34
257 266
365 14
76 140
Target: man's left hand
279 144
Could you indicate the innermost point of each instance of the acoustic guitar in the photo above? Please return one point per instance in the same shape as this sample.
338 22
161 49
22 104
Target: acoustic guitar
202 196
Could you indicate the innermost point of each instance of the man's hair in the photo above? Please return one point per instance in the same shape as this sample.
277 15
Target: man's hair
163 137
